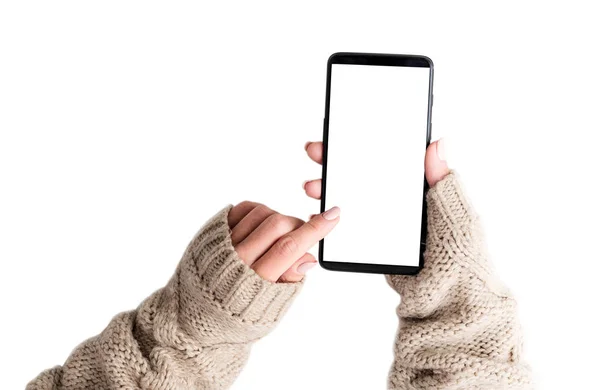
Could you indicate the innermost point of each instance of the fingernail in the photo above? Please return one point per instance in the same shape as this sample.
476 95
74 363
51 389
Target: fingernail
332 213
303 268
441 149
306 145
304 184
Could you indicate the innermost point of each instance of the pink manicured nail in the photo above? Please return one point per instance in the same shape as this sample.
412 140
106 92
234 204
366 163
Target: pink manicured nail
306 145
441 149
304 184
332 213
303 268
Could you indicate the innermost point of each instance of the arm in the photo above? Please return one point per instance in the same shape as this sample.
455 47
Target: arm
196 332
458 323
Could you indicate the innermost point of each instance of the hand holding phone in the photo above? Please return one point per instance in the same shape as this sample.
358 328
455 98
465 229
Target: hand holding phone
436 167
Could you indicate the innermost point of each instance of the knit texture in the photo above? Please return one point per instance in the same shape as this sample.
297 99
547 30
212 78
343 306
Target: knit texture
458 323
195 333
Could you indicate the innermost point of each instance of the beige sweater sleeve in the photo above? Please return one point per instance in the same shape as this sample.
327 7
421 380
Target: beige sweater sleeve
195 333
458 323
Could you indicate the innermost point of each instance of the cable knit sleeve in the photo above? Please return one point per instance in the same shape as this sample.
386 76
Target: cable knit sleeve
458 323
195 333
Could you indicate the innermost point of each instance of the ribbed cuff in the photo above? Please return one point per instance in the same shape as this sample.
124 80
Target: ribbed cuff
447 197
453 222
230 282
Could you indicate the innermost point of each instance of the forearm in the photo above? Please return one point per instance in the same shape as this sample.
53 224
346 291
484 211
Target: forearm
196 332
458 324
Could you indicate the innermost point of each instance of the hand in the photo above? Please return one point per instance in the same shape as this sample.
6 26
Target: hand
276 245
436 167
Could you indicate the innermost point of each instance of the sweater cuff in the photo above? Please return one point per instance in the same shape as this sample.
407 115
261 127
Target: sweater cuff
231 284
453 222
447 198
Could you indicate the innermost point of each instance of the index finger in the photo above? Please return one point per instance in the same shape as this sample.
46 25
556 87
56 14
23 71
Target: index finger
291 246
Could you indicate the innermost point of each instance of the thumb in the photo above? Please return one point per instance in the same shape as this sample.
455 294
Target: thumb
436 167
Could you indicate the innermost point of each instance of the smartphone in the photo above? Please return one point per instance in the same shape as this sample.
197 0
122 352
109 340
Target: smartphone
376 130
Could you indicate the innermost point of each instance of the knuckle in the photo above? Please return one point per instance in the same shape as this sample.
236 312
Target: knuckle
287 245
263 210
278 223
246 204
313 226
296 222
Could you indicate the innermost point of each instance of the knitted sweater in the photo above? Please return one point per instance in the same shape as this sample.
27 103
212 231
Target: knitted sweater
458 323
195 333
458 330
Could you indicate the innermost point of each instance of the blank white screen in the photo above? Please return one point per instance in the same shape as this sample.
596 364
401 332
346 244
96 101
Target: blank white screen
375 164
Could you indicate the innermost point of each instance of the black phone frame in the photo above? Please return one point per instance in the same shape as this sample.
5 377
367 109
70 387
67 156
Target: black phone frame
377 60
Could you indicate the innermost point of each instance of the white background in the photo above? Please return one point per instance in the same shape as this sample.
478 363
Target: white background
381 111
125 125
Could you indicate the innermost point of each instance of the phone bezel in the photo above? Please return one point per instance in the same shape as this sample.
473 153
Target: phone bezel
377 60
